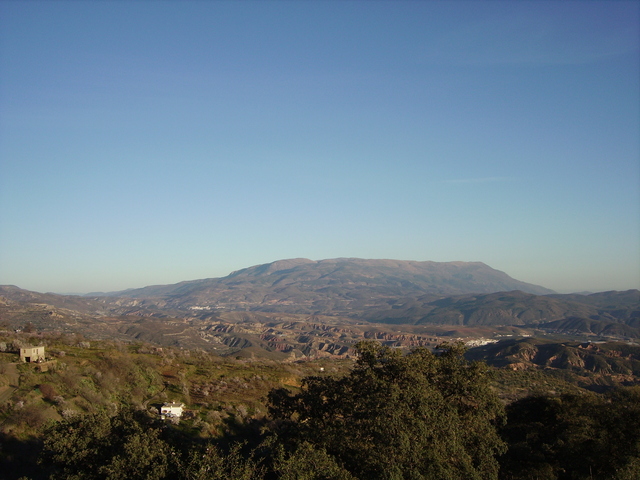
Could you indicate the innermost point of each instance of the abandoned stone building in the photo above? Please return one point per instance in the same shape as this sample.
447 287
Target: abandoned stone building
32 354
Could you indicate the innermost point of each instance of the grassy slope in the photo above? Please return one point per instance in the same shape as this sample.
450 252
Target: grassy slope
85 377
222 395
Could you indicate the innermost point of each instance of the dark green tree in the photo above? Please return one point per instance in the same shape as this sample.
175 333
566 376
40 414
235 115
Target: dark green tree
416 416
210 463
574 437
126 446
307 462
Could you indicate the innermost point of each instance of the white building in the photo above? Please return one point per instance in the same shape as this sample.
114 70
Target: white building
171 410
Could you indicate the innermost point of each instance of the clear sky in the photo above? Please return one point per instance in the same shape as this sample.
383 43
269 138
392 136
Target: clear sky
154 142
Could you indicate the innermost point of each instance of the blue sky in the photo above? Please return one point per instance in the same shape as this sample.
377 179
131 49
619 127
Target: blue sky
153 142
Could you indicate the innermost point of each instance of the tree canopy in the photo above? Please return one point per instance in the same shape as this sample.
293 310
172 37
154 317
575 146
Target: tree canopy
574 437
125 446
415 416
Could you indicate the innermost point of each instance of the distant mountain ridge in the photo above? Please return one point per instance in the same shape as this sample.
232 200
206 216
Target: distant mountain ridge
395 292
285 306
597 312
333 286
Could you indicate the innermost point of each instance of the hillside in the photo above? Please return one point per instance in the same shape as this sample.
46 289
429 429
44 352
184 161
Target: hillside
517 308
344 286
231 399
595 366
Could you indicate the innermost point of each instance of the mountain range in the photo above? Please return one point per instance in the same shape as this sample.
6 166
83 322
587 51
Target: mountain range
336 286
344 291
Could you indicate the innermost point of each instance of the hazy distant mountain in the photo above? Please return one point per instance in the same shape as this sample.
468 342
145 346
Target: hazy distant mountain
291 306
519 308
381 291
336 286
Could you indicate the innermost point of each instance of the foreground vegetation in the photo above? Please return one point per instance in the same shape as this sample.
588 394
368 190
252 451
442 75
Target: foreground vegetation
92 414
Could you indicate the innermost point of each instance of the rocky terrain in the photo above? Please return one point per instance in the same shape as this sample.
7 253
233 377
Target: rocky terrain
592 365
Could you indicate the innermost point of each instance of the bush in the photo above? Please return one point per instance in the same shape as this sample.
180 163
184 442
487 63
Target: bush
48 392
